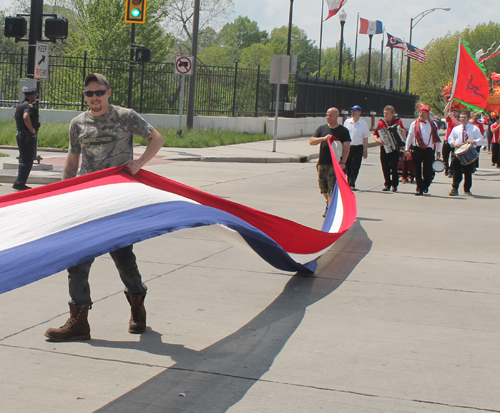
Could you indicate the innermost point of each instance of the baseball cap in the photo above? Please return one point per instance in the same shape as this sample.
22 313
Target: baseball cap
96 77
30 91
356 107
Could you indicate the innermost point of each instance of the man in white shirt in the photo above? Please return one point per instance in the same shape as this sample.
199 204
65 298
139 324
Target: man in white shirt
465 133
359 132
423 139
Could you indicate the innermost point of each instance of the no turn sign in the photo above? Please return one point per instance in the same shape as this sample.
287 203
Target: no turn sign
183 65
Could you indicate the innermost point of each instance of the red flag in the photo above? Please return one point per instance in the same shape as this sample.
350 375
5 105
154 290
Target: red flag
334 6
470 84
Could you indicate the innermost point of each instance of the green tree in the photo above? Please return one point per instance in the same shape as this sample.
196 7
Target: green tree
428 78
102 32
255 55
305 49
241 33
330 59
215 56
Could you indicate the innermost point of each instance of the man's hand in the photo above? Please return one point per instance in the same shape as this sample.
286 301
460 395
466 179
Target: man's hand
132 167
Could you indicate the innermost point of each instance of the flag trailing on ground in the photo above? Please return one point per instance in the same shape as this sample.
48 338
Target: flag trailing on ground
415 53
370 26
54 227
470 84
334 6
395 42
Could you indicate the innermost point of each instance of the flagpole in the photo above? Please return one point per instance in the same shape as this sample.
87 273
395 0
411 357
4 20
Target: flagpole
457 65
390 76
356 49
321 38
401 69
381 57
369 59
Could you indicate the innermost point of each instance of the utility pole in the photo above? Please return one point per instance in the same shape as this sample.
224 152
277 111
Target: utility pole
194 53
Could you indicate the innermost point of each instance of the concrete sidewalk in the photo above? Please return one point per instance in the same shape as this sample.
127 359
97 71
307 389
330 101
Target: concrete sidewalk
401 316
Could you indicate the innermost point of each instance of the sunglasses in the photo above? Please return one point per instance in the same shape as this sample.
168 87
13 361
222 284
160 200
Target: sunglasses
99 93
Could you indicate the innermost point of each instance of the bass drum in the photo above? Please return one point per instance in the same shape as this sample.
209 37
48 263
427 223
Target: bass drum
466 154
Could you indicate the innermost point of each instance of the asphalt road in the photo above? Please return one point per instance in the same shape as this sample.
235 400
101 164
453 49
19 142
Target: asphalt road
401 316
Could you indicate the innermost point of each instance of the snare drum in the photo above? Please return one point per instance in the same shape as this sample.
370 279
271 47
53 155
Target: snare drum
438 165
466 154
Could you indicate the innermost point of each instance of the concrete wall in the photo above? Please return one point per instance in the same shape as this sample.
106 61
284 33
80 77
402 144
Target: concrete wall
287 127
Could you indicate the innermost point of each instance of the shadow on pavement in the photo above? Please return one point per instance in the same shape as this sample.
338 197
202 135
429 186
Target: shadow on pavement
217 377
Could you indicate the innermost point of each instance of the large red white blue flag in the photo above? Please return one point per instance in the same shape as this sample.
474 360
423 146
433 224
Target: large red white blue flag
334 6
370 26
48 229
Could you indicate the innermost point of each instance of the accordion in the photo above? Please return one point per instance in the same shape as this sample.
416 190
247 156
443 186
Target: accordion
393 140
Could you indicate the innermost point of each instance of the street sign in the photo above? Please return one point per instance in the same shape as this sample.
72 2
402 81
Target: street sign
280 69
42 60
184 65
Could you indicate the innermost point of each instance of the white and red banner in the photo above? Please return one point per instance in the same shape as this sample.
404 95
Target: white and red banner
54 227
334 6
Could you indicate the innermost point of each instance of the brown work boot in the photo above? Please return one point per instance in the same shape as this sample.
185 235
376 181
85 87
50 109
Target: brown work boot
76 328
137 323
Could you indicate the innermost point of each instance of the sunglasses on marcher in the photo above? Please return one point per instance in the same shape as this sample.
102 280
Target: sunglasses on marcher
99 93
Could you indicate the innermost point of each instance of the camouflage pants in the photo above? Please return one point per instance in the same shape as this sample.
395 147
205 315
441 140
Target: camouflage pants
326 178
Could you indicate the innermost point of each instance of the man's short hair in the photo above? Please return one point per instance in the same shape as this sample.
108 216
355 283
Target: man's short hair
390 108
465 112
96 77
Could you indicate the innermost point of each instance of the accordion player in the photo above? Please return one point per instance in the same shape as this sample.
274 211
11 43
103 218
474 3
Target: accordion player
392 137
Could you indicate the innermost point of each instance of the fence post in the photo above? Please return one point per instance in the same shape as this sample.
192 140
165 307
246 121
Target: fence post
234 90
307 92
21 63
142 87
83 77
257 93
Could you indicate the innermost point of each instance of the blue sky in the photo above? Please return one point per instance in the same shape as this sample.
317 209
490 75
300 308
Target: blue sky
395 15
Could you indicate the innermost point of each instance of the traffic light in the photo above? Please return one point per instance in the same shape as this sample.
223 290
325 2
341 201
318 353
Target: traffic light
135 11
143 54
15 27
56 28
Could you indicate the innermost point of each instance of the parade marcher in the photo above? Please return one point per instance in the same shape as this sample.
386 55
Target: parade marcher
27 122
495 142
460 135
339 137
408 170
423 139
358 129
475 121
104 136
389 161
451 115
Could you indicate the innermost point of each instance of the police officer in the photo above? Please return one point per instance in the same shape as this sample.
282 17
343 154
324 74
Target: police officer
27 122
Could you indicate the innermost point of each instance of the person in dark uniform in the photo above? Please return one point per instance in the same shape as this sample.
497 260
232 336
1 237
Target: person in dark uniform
27 122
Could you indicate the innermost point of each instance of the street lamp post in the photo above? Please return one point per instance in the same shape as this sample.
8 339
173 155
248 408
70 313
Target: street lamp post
342 18
289 43
413 22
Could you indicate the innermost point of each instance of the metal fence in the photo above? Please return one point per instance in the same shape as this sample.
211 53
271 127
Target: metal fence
220 91
319 94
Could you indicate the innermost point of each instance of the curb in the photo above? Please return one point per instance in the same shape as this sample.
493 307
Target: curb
245 159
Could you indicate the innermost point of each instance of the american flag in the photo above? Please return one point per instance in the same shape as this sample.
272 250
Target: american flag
415 53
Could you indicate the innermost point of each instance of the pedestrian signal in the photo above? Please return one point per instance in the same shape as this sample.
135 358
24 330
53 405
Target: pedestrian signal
135 11
15 27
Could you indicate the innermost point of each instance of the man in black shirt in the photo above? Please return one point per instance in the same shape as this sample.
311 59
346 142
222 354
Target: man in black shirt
341 141
27 122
